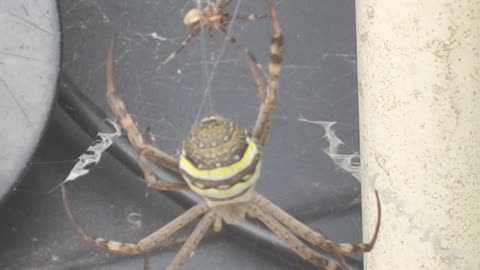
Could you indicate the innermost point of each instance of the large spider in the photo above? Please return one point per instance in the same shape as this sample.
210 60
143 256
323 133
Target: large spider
212 16
221 163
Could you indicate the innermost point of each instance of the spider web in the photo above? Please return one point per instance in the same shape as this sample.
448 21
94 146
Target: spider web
311 166
209 74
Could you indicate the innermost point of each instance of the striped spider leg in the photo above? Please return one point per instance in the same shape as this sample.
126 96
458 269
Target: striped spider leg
221 163
289 229
278 221
213 16
138 140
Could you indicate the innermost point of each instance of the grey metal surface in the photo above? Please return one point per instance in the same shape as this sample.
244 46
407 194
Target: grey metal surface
318 84
29 64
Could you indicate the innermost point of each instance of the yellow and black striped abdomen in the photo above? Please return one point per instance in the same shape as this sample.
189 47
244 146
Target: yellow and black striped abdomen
219 161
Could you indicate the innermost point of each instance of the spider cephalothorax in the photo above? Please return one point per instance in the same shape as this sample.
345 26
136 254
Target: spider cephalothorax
211 15
220 161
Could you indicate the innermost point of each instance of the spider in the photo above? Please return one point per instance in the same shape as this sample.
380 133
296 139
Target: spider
220 162
212 16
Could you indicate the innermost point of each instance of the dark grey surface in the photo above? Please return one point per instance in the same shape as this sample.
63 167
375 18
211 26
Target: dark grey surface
318 83
29 65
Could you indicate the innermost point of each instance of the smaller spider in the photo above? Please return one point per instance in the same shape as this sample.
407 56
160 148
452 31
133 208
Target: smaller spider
212 16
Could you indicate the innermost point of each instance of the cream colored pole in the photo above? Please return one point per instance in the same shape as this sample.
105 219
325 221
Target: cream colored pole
419 94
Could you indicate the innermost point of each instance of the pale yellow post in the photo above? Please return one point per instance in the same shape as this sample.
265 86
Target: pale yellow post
419 94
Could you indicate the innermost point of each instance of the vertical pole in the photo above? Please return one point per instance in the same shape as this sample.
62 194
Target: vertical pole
419 94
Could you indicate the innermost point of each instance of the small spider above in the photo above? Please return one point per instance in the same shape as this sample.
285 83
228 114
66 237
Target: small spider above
213 16
221 163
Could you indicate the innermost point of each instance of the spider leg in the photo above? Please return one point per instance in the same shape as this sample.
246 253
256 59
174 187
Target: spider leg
152 181
146 261
192 242
251 17
298 228
292 241
147 135
252 64
222 3
184 43
210 35
144 245
228 37
312 236
262 125
137 140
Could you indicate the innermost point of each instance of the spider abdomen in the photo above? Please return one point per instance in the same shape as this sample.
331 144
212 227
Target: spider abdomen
220 161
